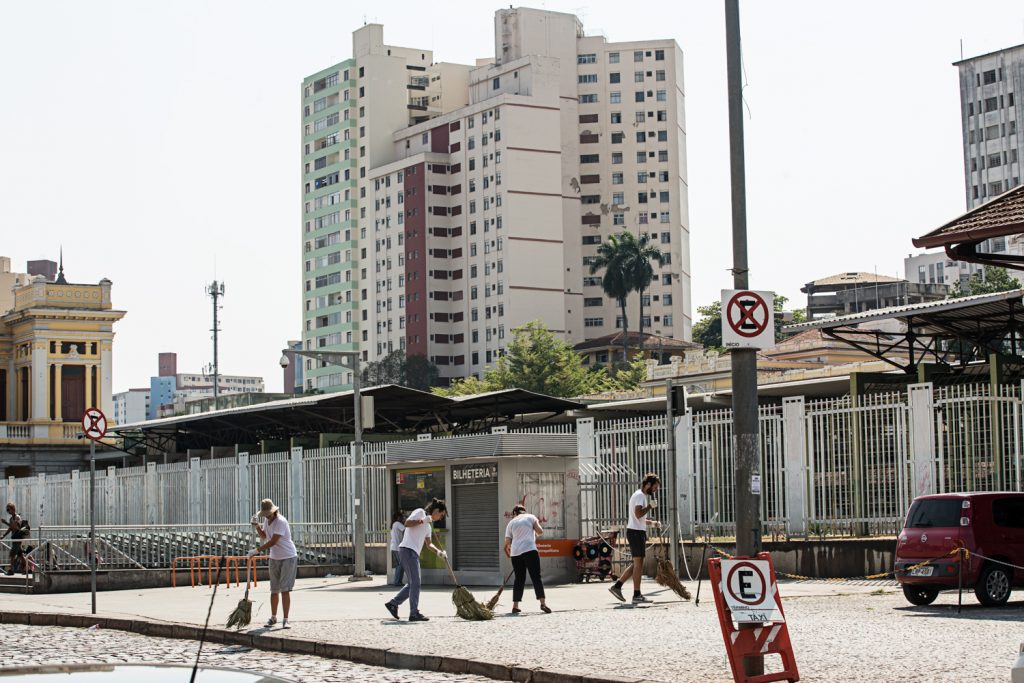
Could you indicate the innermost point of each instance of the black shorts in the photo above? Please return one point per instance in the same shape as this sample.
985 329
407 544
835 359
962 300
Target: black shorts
637 542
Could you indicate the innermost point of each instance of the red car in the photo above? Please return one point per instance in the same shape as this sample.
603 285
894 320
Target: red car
989 525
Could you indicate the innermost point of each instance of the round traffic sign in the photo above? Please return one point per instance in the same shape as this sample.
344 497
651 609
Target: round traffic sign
747 314
94 424
745 583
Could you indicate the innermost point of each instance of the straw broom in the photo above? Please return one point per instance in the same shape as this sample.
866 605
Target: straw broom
666 576
493 602
241 616
466 605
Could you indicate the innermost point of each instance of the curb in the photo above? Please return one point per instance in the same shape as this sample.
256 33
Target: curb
384 657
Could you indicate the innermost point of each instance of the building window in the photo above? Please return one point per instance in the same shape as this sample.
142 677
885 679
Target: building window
616 178
616 117
583 78
593 301
588 99
613 57
615 97
661 96
638 96
593 322
586 59
590 158
659 75
613 77
617 138
618 219
496 83
659 55
638 56
638 76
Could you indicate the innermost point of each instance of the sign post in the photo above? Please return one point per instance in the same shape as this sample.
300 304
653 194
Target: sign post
746 593
94 428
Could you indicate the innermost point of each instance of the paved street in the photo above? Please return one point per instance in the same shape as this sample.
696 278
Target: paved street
840 631
25 645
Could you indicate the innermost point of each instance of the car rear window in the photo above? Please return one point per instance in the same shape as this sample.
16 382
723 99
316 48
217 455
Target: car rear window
934 512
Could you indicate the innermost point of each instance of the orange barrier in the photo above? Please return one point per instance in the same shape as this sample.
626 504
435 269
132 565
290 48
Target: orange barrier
195 568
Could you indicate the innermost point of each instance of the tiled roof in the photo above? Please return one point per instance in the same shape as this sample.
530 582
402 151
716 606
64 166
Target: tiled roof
651 341
853 279
1002 216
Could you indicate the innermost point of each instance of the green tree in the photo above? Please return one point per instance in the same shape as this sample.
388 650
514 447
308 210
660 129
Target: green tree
993 280
708 330
537 361
415 372
612 257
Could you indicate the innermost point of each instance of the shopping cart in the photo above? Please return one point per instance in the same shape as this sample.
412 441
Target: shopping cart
594 556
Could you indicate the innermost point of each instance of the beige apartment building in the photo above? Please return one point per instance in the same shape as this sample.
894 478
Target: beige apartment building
456 203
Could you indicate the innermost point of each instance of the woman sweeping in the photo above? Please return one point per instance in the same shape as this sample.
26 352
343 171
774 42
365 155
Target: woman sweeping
521 546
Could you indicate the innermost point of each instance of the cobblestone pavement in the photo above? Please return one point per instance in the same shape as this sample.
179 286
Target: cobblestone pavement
869 634
852 631
31 645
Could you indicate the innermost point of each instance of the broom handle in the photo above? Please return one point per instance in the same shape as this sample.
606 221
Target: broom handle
446 563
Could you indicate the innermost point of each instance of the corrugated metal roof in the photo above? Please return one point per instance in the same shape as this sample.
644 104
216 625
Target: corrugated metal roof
975 304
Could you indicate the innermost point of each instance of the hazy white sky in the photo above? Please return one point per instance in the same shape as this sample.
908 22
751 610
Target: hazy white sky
159 143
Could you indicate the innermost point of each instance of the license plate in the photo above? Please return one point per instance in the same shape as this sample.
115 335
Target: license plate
921 571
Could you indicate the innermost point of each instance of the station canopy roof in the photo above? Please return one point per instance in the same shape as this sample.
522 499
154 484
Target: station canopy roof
396 409
1003 216
952 332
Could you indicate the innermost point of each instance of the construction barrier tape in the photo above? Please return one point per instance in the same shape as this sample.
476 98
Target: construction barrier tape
867 577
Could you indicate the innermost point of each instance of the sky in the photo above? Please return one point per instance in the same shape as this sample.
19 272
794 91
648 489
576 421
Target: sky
159 144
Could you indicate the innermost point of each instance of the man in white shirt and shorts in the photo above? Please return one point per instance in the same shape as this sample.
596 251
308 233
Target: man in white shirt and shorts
283 559
636 534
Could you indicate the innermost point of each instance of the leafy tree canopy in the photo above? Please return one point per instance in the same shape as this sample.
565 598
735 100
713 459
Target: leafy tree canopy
994 280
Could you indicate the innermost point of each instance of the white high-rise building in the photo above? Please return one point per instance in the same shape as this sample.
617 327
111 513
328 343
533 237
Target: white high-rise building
992 122
446 205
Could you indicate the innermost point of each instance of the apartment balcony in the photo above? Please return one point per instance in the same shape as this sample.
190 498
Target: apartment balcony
419 103
418 83
40 434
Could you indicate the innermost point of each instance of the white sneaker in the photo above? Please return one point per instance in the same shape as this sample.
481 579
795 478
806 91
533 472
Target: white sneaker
284 623
270 622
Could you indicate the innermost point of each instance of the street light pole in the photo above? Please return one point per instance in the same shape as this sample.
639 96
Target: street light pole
349 359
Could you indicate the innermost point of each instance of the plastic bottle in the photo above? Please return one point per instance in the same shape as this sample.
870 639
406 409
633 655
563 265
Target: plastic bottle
94 627
1017 671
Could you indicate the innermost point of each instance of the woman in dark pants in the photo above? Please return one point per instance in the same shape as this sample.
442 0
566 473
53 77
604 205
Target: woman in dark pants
521 546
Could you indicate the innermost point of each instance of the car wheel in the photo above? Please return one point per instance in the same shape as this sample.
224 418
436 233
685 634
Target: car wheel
993 586
918 595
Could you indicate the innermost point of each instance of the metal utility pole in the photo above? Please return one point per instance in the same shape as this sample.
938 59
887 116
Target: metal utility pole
351 360
747 472
92 521
216 290
673 471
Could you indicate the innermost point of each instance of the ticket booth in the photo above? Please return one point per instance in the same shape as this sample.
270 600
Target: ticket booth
480 492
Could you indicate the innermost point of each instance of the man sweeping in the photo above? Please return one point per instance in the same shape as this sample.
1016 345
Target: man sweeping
283 559
417 536
636 534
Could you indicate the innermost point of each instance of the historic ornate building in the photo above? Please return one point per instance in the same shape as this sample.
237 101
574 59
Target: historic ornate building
55 361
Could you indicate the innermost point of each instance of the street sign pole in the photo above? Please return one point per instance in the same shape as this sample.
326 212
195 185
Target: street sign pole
94 428
744 361
92 521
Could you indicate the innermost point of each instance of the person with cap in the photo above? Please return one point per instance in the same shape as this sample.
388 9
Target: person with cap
418 528
636 534
277 534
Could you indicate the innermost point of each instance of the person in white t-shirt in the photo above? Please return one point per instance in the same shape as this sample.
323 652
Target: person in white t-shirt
397 529
417 536
521 547
636 534
284 561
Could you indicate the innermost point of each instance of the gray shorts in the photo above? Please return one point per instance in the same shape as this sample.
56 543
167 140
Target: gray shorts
282 575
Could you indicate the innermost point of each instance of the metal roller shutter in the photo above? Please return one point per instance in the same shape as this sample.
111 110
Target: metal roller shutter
476 527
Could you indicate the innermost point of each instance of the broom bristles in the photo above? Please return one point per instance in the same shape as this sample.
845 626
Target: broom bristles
666 576
467 607
241 615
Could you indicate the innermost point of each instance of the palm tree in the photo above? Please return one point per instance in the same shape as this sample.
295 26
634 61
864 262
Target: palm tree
639 271
611 257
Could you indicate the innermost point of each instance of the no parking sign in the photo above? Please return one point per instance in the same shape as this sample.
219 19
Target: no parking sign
749 591
748 319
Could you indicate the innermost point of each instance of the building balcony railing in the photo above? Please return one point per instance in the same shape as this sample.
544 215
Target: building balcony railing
40 433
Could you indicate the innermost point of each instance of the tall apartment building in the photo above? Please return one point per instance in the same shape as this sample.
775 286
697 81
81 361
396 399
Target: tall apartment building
990 86
445 205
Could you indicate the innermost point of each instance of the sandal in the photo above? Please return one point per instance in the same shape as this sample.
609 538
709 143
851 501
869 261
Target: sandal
516 610
545 609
